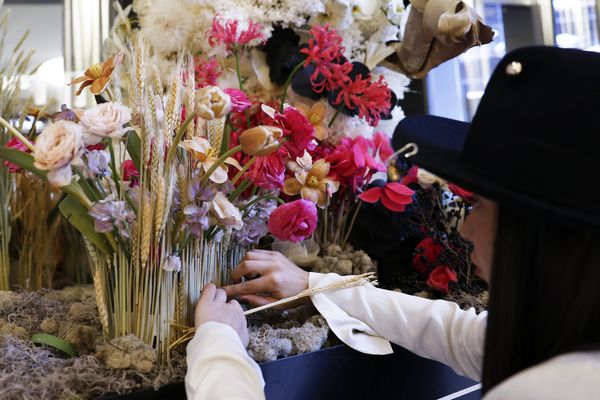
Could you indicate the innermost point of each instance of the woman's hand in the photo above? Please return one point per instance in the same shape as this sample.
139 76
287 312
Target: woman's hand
274 277
213 307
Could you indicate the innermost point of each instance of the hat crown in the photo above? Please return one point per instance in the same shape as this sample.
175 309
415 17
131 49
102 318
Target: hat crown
537 126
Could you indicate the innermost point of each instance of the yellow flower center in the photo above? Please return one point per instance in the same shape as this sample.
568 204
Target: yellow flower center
313 181
96 70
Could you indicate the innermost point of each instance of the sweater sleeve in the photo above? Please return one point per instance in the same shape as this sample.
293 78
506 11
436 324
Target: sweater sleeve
219 366
366 318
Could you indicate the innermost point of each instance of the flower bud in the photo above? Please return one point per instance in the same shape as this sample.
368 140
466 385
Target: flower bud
261 140
212 102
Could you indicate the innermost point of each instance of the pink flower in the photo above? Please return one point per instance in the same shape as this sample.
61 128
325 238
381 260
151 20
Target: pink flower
206 72
98 146
382 145
130 173
363 155
394 196
268 172
440 277
411 177
239 101
226 32
369 98
324 51
343 166
298 132
426 254
294 221
15 144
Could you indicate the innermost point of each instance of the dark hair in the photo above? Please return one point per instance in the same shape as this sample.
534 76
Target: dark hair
544 297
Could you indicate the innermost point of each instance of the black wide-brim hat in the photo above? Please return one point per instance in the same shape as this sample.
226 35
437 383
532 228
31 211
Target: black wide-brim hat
535 138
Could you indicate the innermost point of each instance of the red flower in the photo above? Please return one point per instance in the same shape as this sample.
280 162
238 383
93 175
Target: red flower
426 253
268 172
368 98
411 176
343 166
324 51
460 192
394 196
130 173
239 100
227 33
298 132
15 144
294 221
98 146
382 145
362 154
440 277
206 72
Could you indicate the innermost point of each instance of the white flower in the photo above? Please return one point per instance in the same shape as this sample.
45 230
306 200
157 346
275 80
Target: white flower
212 102
206 156
427 180
225 213
167 26
56 148
105 121
396 11
364 9
338 14
172 263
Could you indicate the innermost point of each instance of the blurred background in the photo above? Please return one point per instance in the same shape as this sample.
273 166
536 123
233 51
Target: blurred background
67 36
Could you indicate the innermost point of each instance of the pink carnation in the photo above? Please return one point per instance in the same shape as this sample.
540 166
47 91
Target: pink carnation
268 172
15 144
294 221
298 132
239 101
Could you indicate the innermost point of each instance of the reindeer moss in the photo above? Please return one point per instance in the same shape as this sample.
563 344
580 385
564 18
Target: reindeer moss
343 261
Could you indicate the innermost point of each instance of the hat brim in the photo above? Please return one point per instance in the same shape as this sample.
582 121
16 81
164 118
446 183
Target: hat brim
441 142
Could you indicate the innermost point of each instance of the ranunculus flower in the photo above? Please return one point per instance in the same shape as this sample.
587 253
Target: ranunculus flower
294 221
15 144
130 173
225 213
57 146
394 196
426 253
106 120
440 277
212 102
260 141
239 101
460 192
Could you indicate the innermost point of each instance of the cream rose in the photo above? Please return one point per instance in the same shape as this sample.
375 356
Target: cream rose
225 213
104 121
212 102
56 148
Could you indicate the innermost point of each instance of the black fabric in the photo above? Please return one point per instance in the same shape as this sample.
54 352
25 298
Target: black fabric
533 140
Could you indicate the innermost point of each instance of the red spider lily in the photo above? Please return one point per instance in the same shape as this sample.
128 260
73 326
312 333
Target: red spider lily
369 98
394 196
206 72
227 32
324 49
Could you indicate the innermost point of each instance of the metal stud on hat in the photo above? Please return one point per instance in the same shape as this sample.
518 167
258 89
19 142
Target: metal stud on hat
514 68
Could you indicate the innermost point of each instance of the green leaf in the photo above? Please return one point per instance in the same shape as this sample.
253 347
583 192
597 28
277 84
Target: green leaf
134 148
78 216
54 342
23 160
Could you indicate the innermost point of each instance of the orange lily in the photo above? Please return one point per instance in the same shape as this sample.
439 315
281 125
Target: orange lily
312 185
97 75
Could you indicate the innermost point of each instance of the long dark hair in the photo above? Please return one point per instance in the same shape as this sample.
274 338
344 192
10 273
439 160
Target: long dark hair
544 296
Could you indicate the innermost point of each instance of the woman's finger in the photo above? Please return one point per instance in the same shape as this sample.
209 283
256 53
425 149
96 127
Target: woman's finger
208 293
256 300
249 267
220 296
264 255
247 287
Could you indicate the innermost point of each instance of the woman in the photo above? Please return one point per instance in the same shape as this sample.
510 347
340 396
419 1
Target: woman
530 153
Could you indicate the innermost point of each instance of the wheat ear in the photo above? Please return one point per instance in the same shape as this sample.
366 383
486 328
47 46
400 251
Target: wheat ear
354 281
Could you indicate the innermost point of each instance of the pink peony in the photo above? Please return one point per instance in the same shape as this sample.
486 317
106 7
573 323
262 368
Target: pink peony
15 144
294 221
239 101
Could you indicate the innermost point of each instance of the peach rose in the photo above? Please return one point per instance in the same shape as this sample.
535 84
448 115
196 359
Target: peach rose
106 120
56 148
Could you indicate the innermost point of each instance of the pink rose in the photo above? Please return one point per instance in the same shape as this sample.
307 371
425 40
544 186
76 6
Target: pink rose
294 221
440 277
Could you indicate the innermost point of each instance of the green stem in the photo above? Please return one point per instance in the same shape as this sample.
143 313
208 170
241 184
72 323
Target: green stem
258 199
218 163
11 129
337 112
244 169
178 137
113 167
287 84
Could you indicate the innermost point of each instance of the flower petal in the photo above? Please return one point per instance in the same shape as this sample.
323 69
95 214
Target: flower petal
292 187
372 195
321 132
391 205
317 112
399 189
311 194
320 169
99 85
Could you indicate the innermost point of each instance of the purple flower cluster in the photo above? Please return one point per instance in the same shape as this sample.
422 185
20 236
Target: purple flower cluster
255 223
97 163
196 218
109 214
